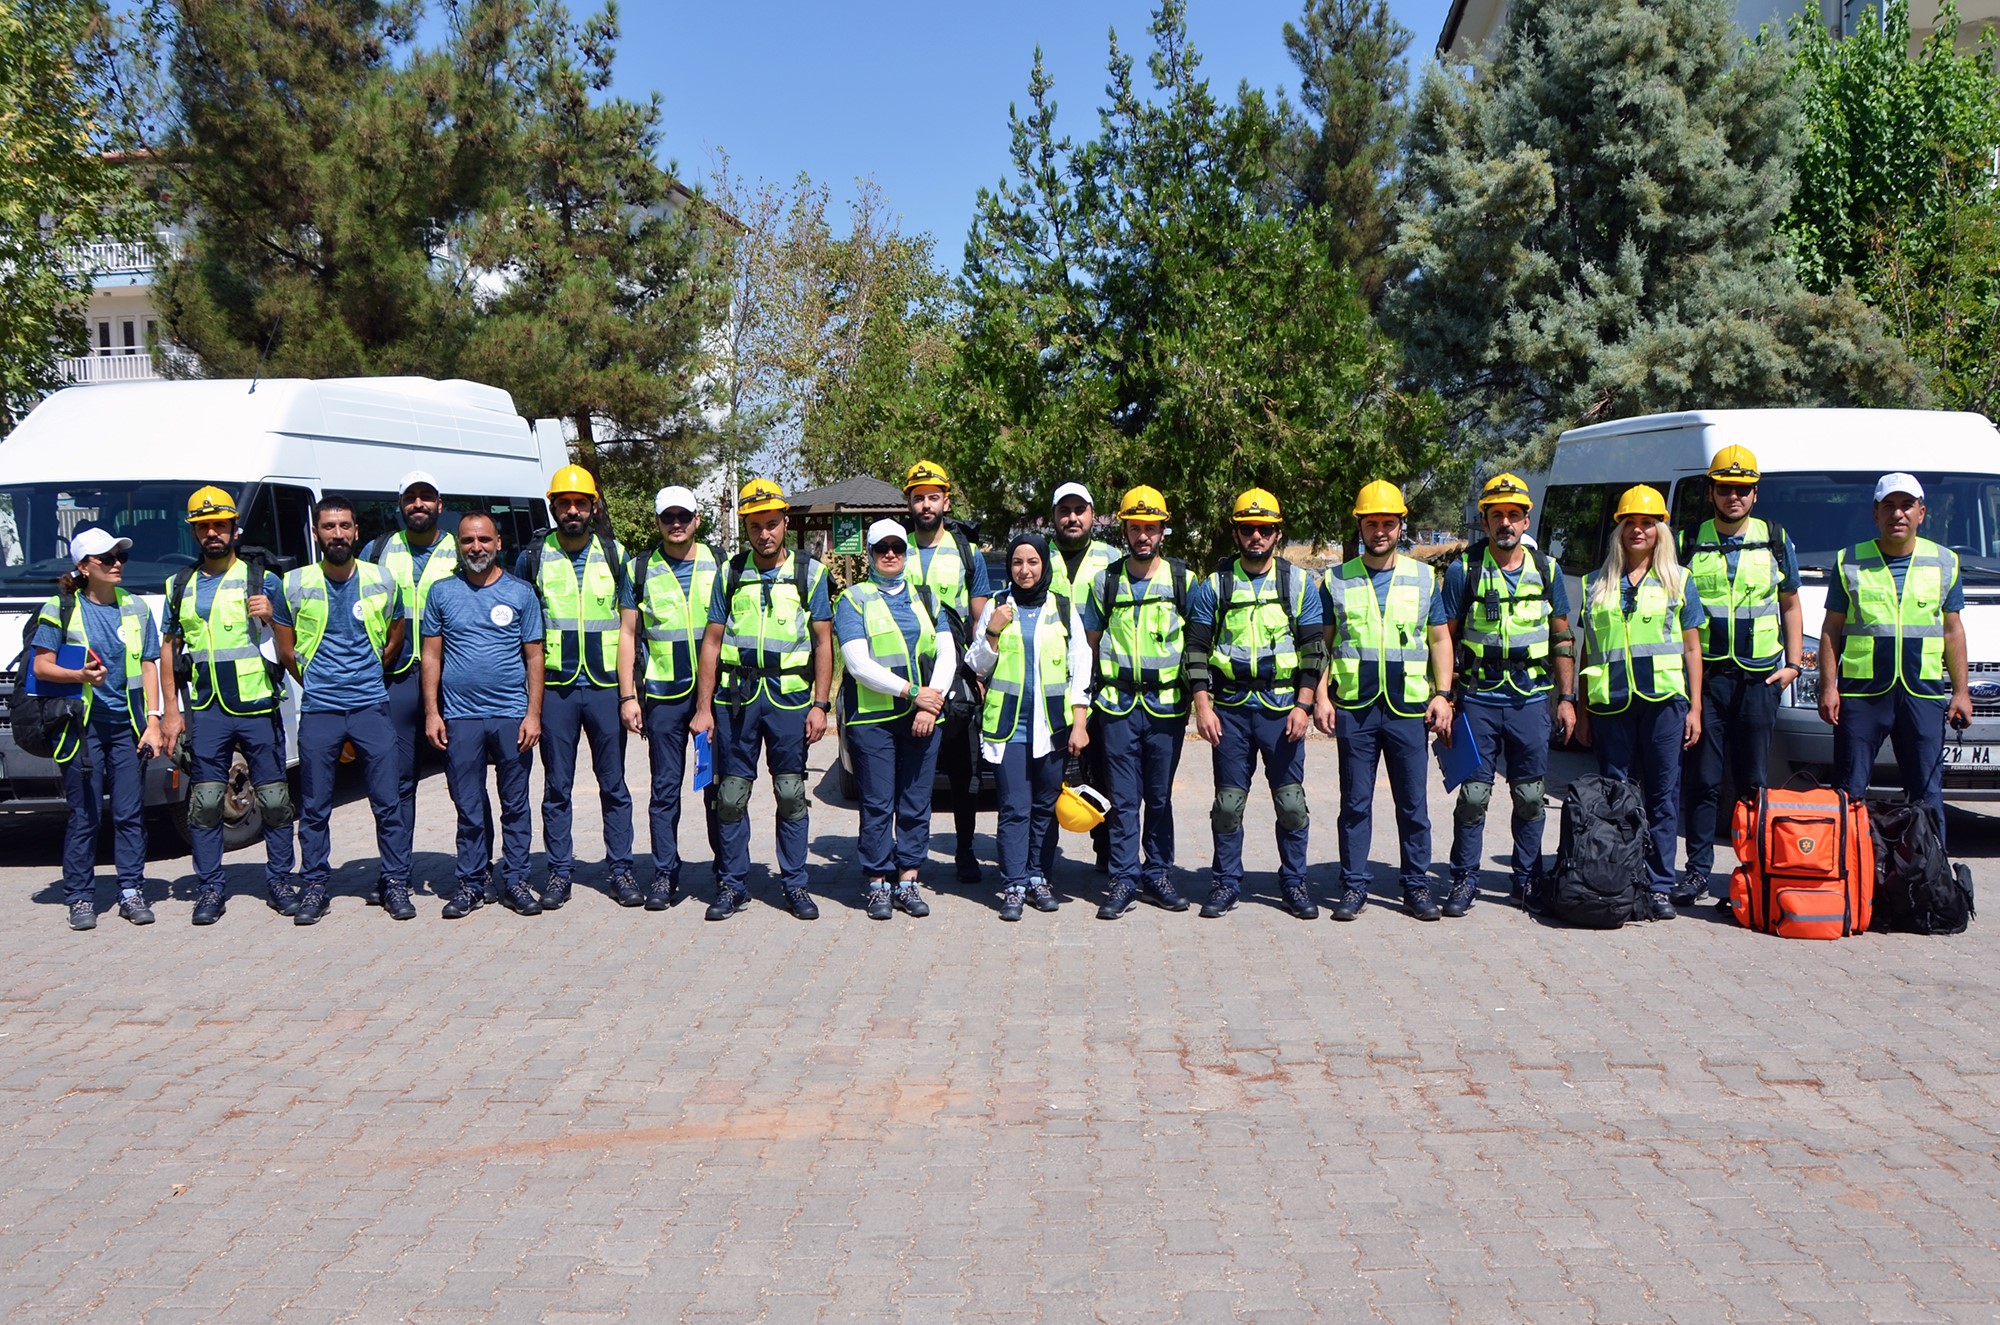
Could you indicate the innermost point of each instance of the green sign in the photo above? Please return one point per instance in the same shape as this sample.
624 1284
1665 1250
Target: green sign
848 532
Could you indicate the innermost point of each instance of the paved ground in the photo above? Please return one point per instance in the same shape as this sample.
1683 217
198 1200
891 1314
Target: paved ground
615 1115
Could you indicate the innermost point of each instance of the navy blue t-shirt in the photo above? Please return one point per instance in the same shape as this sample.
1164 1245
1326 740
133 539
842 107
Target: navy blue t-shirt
484 674
345 673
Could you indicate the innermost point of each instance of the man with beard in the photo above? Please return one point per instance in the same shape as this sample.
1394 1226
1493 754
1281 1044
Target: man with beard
482 671
339 621
947 563
416 558
579 575
1509 612
232 701
1079 559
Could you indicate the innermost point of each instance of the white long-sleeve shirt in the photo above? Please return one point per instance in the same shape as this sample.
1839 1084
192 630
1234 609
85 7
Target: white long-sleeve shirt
983 658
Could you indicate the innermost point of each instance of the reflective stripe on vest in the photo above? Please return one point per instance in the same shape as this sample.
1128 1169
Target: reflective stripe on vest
1633 657
889 649
1139 652
768 638
228 669
1097 558
579 620
1893 639
1010 683
131 633
1380 654
305 594
671 622
1507 631
395 557
948 578
1253 648
1742 625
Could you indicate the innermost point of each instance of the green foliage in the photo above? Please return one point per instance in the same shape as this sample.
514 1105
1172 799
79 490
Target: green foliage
1590 233
1134 316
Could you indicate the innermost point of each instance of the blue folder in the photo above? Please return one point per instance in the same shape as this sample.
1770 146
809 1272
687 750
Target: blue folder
69 655
1459 760
704 761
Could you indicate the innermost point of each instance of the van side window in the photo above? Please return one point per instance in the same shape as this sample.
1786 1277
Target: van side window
1572 528
1690 504
280 522
375 514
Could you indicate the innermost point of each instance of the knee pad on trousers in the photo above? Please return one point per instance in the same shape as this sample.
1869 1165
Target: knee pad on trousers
1290 803
790 790
274 804
1226 815
1527 795
205 804
732 799
1473 798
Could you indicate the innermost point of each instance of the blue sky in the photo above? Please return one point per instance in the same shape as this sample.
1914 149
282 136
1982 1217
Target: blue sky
914 94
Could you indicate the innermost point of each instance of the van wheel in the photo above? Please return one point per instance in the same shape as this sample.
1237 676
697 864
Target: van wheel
241 824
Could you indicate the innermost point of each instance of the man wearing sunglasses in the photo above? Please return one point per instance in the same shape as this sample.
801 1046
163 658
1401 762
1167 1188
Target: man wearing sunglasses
671 589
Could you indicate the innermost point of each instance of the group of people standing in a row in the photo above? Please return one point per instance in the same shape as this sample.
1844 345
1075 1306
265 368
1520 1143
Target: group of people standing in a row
1086 656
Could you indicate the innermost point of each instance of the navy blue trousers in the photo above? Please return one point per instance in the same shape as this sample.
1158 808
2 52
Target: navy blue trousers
667 744
741 730
1643 745
1141 752
1251 731
470 745
896 771
406 715
569 714
108 763
1369 738
214 735
1738 712
1028 788
374 737
1914 725
1513 741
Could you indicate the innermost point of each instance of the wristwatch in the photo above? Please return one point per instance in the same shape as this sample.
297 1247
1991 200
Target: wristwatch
628 699
823 705
1565 699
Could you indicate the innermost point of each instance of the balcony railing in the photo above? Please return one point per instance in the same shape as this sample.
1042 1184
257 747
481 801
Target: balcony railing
116 366
114 258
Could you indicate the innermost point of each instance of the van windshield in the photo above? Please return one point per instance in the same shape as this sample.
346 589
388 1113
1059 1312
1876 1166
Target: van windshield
1824 513
37 519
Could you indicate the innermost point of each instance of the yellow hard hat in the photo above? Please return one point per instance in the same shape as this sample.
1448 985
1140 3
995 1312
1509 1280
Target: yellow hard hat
1733 464
1144 505
1256 506
926 474
1641 500
573 478
210 503
1506 490
760 495
1081 809
1380 498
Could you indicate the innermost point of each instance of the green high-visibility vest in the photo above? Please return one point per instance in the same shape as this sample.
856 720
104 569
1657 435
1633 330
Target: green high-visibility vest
948 577
1893 639
1253 650
1010 684
228 669
1506 631
767 640
889 649
1139 652
671 622
579 619
1381 653
1743 611
305 594
132 634
395 557
1633 657
1097 557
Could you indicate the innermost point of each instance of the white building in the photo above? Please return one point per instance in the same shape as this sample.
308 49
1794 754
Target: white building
122 318
1472 23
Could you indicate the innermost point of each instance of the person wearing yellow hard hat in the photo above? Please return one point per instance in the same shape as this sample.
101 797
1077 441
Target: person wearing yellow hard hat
1752 648
1388 682
1509 610
218 615
1031 651
945 559
765 685
1253 661
1080 556
1135 618
578 571
1640 661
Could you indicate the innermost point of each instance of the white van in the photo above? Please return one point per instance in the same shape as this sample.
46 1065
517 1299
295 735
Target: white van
1819 469
125 457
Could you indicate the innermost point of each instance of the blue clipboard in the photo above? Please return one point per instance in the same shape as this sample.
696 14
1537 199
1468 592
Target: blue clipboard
1459 761
704 761
69 655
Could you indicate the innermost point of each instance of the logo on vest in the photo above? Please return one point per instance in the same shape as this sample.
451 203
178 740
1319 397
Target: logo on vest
360 612
501 615
1806 844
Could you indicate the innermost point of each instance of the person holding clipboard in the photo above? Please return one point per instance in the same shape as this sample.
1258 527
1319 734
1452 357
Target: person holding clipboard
94 636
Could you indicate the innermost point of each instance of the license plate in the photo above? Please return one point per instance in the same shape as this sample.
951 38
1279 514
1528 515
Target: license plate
1957 755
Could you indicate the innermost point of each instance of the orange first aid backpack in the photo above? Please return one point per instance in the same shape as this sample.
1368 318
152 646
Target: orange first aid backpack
1808 868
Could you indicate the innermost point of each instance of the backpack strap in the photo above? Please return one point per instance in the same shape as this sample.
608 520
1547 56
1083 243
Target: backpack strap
737 566
802 578
1179 570
639 580
1114 575
182 577
609 551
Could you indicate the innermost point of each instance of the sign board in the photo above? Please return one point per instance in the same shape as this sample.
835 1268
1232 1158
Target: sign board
849 532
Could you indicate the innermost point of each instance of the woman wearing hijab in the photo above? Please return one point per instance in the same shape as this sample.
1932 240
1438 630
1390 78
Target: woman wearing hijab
898 667
1036 657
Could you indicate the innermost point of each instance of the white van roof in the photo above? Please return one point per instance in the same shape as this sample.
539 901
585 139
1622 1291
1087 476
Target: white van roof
1811 440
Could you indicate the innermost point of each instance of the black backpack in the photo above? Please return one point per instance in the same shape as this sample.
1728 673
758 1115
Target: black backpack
39 720
961 701
1600 875
1917 888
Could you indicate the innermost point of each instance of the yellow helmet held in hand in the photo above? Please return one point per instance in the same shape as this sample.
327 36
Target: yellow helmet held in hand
573 478
1641 500
1506 490
1143 504
1380 498
926 474
1733 464
760 495
1256 506
1081 809
210 503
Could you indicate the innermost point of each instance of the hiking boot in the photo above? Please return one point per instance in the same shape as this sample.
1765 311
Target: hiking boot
628 889
83 915
1519 891
133 907
663 895
1010 903
395 898
208 906
1419 902
1119 900
313 905
489 891
1694 884
284 898
1040 897
1459 900
1352 901
1299 902
909 901
516 898
1221 901
801 902
558 890
879 907
469 898
968 868
1160 892
1659 906
728 901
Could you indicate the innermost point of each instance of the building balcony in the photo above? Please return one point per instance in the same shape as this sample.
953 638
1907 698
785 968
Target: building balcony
115 258
109 366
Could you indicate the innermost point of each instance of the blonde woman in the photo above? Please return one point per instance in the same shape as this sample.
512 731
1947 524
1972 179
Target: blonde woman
1640 659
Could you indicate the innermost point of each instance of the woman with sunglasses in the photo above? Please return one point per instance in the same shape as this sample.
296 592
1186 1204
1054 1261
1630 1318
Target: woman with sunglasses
898 666
115 636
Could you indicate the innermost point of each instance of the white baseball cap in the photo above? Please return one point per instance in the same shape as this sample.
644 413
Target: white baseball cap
94 542
414 477
1072 490
1898 482
668 498
886 528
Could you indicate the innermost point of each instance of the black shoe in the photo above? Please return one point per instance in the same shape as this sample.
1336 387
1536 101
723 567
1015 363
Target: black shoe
1661 907
395 898
728 901
208 906
1694 884
83 915
909 901
1010 904
516 898
468 898
1221 901
489 891
1352 902
1417 898
557 891
664 893
1160 892
629 891
1459 900
1520 891
879 907
1040 897
802 904
284 899
968 868
1299 902
1119 900
313 905
134 909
